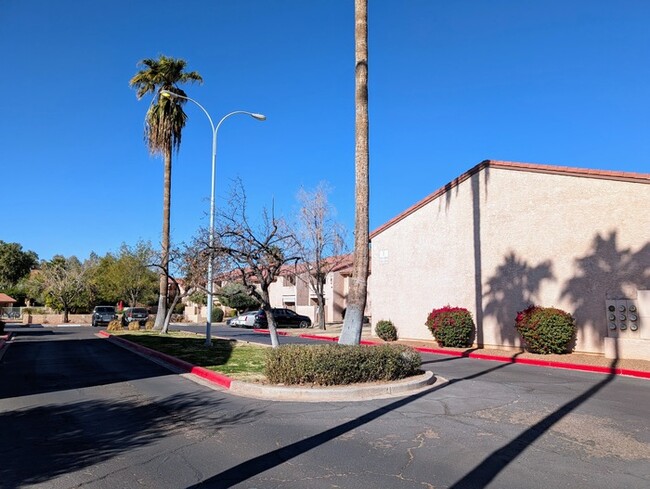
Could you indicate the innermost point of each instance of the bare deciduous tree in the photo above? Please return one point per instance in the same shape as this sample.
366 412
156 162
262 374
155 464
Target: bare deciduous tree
64 280
321 242
254 255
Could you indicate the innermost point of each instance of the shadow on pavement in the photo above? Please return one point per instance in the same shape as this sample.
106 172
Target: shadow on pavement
485 472
261 463
39 366
47 441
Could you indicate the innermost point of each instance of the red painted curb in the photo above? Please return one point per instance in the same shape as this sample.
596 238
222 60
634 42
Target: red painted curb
4 339
217 378
524 361
225 381
266 331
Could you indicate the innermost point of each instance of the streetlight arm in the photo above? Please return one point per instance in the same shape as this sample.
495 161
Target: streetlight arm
259 117
168 94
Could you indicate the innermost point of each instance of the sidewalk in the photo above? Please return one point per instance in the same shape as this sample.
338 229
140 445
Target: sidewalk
573 361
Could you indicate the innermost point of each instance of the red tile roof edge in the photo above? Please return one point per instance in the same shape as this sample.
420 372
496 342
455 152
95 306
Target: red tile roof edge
513 165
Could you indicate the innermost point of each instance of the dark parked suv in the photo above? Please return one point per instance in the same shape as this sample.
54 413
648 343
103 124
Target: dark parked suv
284 318
103 315
131 314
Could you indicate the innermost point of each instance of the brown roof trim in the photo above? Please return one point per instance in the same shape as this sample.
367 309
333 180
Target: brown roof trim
5 298
512 165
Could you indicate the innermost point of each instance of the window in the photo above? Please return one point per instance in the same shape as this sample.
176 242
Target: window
289 280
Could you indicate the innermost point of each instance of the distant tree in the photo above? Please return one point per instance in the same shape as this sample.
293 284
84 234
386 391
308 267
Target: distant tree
198 297
254 255
164 123
127 275
321 241
102 285
357 295
64 282
15 263
235 296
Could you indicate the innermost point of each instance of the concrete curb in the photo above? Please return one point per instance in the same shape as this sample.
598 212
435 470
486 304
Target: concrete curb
348 393
496 358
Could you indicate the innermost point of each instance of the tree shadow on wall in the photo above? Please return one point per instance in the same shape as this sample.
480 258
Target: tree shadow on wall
604 273
513 287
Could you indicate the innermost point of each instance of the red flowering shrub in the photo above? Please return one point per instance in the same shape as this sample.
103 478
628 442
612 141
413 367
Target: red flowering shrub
545 329
452 326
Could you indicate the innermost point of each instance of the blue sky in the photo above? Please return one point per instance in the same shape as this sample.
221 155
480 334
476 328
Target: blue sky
562 82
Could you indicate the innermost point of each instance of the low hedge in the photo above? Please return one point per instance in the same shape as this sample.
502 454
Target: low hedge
545 329
335 364
452 326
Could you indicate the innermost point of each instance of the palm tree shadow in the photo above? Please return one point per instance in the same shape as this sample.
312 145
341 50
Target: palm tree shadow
514 285
261 463
605 272
463 354
485 472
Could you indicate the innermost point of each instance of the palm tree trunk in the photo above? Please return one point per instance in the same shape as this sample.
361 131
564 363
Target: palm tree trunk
164 255
356 301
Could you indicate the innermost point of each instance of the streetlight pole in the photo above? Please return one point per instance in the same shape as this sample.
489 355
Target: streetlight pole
215 130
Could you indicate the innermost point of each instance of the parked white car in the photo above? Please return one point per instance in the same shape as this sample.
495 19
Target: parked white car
244 320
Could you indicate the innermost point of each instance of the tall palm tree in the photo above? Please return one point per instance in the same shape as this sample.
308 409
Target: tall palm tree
164 123
356 301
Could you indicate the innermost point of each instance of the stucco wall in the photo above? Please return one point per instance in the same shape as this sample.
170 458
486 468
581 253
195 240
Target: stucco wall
424 261
276 291
505 238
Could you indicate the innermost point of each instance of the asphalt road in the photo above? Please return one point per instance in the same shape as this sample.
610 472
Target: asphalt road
77 411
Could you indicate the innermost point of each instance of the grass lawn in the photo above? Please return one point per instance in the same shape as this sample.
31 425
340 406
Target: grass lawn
242 361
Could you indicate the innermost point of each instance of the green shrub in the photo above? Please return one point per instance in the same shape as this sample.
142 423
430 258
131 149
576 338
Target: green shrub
452 326
335 364
217 314
114 325
386 330
545 329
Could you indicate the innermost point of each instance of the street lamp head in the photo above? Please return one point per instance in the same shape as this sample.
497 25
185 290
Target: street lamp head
167 94
259 117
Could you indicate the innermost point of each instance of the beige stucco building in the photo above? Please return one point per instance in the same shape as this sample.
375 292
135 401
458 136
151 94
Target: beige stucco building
293 290
505 235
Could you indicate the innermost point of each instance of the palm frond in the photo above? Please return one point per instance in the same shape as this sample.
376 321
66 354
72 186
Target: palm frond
165 117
